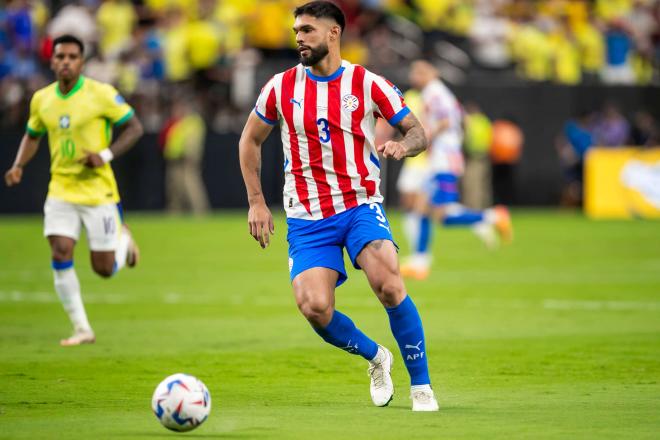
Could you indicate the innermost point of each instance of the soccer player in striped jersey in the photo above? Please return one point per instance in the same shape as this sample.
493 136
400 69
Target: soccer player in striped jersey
431 192
327 110
77 114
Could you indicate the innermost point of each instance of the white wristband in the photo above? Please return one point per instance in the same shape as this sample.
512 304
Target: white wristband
106 155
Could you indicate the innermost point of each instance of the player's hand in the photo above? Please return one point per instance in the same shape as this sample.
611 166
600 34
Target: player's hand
392 149
14 176
261 224
91 160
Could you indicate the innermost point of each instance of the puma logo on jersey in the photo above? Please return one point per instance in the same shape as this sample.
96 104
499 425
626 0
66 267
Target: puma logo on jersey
298 103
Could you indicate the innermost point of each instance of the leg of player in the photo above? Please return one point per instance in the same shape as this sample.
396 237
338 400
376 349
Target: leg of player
315 296
67 287
111 243
107 263
485 224
127 252
418 265
379 261
447 210
410 219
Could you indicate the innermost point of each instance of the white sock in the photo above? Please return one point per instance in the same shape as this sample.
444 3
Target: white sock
490 216
411 229
486 233
426 387
122 250
380 356
67 287
421 260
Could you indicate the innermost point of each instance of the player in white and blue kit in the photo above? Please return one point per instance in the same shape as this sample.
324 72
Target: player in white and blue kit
431 191
327 111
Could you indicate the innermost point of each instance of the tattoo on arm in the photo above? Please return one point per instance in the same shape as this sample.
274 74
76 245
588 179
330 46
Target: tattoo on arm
414 138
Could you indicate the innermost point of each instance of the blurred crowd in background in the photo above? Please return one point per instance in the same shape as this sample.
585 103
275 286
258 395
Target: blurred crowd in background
192 65
211 50
605 127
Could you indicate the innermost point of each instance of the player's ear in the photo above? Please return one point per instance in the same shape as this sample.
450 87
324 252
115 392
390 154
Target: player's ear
335 33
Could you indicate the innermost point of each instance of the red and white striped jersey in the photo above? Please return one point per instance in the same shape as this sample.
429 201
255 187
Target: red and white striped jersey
328 130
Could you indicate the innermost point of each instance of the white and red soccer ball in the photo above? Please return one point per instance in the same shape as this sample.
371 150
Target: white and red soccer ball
181 402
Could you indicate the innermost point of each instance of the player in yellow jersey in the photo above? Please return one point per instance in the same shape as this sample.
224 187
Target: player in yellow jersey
77 114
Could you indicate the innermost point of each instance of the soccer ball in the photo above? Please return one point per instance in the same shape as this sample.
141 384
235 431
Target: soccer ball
181 402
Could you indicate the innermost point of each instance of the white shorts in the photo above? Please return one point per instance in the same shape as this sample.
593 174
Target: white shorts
102 222
412 179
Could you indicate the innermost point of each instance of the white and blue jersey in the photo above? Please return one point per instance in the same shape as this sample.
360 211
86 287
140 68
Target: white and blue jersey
440 104
445 157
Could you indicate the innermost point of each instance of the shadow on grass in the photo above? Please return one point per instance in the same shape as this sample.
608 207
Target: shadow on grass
169 435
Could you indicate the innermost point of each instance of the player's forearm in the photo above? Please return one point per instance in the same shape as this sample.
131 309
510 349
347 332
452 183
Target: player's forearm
26 151
414 138
250 158
127 138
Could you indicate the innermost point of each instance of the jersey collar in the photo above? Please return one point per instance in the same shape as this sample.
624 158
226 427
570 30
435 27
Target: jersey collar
335 75
78 86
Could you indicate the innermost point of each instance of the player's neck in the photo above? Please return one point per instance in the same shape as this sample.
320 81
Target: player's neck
327 66
66 86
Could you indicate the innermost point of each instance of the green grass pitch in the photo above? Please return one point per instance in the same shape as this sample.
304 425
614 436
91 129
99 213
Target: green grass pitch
556 336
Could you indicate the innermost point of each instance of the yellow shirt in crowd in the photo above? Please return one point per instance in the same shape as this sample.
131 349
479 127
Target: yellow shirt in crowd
116 20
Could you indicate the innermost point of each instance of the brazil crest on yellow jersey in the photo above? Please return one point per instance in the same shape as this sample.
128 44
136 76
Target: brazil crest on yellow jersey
78 121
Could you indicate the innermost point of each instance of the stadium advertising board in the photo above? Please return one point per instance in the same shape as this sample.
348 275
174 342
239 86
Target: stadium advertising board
622 183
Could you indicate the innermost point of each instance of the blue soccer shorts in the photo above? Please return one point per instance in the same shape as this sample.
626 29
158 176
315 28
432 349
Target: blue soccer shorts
444 189
320 243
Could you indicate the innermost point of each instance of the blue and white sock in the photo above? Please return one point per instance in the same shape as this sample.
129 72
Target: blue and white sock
67 287
458 215
342 333
424 239
407 329
411 228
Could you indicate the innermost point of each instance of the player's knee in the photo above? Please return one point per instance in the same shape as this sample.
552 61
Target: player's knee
317 311
104 270
61 252
390 291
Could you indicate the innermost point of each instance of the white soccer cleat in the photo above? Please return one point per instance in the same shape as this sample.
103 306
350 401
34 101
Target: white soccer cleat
380 368
79 338
423 399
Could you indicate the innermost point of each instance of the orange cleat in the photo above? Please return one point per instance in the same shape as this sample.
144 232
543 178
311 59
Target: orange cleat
503 224
415 272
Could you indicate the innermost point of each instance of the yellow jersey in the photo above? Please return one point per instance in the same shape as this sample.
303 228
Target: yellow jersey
78 121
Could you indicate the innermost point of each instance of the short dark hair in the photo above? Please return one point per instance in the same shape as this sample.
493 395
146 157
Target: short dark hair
322 9
67 38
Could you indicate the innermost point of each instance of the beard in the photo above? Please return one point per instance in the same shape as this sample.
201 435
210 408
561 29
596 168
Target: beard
315 55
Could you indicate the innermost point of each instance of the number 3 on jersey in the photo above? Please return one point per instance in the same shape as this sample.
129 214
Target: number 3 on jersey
325 129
